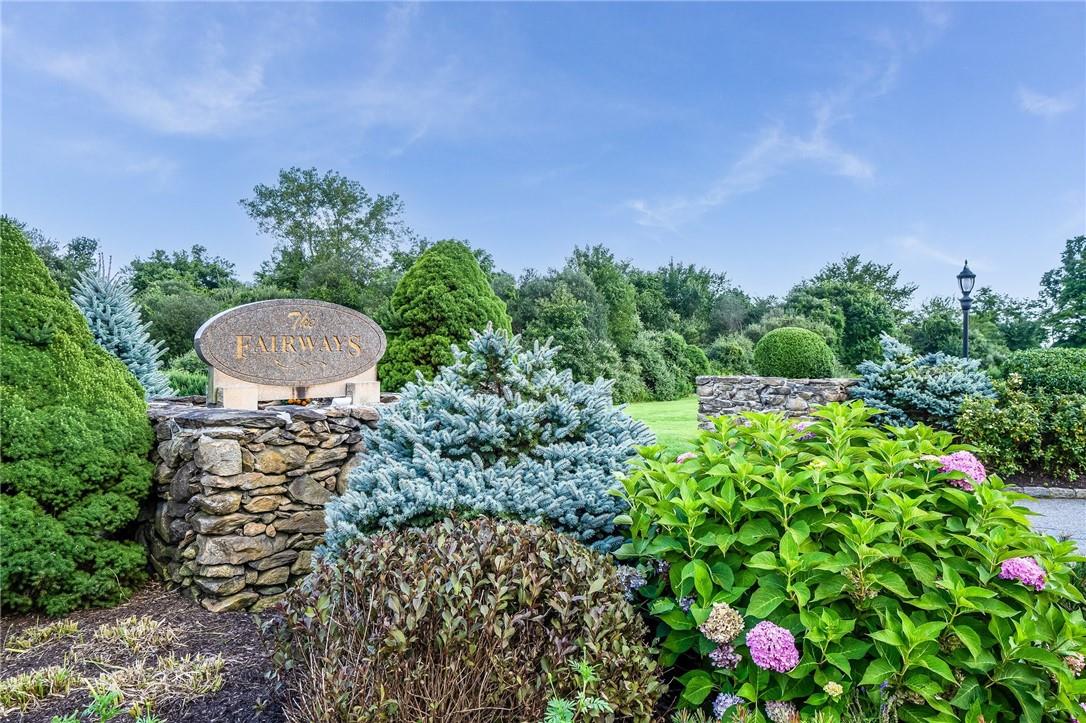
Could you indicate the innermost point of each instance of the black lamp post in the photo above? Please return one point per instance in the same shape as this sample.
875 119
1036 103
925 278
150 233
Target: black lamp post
966 279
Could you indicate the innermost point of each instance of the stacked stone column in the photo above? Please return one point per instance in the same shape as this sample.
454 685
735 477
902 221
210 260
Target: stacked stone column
240 495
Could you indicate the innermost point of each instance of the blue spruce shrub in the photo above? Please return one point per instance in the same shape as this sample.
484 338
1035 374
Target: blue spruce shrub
911 388
106 302
498 432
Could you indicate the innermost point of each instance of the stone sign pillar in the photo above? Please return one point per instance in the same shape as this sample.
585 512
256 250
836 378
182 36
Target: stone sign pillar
290 349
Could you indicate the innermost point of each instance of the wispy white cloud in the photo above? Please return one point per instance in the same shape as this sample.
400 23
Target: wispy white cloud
778 150
410 90
915 246
1047 106
158 76
775 151
111 157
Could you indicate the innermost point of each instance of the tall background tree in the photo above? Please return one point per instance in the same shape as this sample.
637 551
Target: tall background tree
331 234
1063 290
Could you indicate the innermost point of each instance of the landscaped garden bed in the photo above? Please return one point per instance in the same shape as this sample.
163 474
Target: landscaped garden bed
171 659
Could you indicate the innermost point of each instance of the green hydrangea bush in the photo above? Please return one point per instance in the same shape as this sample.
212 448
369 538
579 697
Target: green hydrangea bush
461 622
839 569
499 432
909 388
794 353
73 465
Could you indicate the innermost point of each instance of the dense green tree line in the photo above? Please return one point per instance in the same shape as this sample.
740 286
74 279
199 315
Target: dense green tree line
651 330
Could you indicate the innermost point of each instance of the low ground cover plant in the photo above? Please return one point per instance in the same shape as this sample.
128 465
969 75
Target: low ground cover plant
909 388
836 568
499 432
462 621
795 353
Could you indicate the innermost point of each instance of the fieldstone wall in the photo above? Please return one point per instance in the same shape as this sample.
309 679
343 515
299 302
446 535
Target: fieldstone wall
795 397
239 495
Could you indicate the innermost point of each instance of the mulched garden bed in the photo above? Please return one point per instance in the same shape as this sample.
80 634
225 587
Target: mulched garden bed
211 665
1035 480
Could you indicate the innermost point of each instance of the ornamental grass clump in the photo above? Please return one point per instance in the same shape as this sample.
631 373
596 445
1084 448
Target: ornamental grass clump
461 622
866 582
498 432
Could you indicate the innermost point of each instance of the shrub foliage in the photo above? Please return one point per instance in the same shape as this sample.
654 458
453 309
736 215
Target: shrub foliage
499 432
463 621
1057 371
441 299
1027 431
73 467
908 388
840 568
795 353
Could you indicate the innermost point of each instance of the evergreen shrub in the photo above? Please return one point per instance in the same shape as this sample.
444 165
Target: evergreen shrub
73 466
463 622
106 302
794 353
1026 431
854 572
908 388
500 432
732 354
442 298
188 374
1056 371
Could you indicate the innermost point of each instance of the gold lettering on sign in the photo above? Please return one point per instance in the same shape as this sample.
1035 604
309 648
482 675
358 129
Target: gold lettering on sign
243 344
299 320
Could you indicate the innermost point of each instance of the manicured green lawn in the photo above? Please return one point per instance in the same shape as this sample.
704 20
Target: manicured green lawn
674 423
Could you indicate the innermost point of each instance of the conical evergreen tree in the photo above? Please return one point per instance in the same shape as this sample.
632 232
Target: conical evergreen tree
106 301
440 301
73 465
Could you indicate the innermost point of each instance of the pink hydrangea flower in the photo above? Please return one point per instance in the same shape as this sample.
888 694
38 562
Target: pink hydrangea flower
1025 570
685 456
802 425
772 647
967 464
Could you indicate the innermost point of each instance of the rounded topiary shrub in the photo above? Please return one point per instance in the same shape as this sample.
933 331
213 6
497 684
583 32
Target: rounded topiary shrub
442 298
73 466
463 621
839 570
794 353
501 432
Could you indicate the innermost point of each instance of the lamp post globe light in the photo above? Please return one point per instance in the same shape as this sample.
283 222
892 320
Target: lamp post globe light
966 279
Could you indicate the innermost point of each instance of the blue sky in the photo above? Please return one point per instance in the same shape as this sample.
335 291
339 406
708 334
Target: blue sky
760 139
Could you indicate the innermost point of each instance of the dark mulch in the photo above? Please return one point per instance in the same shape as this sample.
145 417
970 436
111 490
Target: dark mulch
1037 480
245 697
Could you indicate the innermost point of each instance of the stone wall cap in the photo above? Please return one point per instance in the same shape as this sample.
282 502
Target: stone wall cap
297 411
752 378
218 416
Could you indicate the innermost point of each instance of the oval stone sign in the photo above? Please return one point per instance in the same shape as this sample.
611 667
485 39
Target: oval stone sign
290 342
